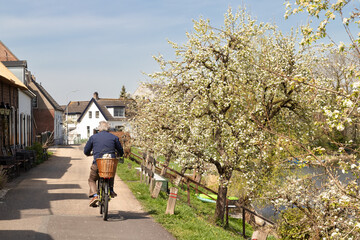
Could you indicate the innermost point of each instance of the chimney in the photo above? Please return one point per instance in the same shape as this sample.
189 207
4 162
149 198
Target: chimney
96 96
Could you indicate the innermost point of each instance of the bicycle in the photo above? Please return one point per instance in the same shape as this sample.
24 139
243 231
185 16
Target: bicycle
107 170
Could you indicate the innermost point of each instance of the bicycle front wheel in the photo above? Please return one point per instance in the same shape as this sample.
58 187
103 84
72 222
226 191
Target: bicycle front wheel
105 205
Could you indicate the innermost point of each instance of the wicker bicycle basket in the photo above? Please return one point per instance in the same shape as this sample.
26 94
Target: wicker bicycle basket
107 167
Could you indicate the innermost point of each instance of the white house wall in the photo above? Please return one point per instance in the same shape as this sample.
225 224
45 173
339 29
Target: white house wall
58 130
24 116
71 131
92 123
19 72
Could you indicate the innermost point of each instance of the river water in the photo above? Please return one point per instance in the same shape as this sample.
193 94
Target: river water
270 213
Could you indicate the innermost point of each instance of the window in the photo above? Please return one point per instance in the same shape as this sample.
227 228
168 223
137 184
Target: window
119 111
119 128
88 131
35 102
97 114
90 114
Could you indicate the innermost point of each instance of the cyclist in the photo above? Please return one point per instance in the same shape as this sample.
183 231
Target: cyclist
102 144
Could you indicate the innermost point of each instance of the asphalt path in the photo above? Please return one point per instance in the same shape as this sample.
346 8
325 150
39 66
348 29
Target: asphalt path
50 201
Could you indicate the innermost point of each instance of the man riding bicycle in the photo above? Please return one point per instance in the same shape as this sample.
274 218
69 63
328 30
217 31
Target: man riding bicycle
102 144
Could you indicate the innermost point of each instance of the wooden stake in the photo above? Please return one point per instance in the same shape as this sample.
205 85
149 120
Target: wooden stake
259 235
151 185
157 189
170 209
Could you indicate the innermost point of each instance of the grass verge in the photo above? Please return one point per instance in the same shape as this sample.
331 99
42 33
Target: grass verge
189 222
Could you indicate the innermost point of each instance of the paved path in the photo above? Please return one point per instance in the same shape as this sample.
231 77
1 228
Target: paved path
50 202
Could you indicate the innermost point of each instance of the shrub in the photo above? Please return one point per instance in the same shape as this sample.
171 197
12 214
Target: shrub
292 225
37 147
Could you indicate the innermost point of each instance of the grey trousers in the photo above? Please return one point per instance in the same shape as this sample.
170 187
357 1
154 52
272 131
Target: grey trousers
94 176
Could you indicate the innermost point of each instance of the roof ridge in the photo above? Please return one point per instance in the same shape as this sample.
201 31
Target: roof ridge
47 95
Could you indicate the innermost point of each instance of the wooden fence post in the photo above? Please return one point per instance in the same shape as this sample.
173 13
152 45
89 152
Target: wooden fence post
163 171
177 180
227 212
152 179
259 235
147 167
198 180
148 173
141 173
170 209
243 222
156 190
188 191
144 156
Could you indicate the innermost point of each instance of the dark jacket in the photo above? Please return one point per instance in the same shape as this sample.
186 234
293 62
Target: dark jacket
101 143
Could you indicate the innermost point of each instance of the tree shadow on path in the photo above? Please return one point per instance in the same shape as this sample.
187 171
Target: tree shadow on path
23 234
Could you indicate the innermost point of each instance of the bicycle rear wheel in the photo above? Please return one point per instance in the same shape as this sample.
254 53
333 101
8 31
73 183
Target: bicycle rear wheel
105 203
101 194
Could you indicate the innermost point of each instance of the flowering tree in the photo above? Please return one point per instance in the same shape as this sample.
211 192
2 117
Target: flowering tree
154 124
326 204
224 89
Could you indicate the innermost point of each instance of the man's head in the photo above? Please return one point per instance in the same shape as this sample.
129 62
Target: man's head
103 126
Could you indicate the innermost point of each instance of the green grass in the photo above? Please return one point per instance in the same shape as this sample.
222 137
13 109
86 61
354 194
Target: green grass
189 222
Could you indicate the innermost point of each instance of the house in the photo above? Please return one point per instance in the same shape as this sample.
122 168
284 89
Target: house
98 109
6 54
72 112
38 111
47 112
14 130
145 92
24 118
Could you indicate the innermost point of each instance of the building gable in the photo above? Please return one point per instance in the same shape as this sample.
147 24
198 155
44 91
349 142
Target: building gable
6 54
46 97
92 101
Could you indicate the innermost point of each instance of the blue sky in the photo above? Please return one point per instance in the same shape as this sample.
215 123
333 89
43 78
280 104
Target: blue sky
77 47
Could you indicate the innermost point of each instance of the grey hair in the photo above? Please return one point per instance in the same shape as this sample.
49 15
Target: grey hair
103 126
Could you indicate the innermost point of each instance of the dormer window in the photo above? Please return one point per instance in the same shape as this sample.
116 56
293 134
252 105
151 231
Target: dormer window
119 111
35 102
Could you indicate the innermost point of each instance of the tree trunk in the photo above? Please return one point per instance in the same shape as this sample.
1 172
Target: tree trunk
166 163
225 176
221 202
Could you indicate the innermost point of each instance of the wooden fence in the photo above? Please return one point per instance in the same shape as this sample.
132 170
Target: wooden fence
151 167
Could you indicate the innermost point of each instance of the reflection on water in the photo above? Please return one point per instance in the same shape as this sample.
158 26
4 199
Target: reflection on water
319 177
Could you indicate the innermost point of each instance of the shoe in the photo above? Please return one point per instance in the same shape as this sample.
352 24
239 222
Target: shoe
94 201
113 194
